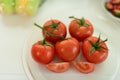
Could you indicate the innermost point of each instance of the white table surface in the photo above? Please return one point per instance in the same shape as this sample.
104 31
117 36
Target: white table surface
12 37
13 32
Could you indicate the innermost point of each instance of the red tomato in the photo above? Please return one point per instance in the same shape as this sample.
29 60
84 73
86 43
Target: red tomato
84 67
109 6
58 67
80 28
56 30
68 49
115 1
94 49
42 53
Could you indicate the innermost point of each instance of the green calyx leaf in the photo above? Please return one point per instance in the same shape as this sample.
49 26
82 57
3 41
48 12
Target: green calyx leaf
53 26
53 35
96 46
44 42
81 21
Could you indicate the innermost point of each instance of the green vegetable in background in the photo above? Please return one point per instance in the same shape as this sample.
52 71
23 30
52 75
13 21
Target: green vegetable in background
7 6
27 7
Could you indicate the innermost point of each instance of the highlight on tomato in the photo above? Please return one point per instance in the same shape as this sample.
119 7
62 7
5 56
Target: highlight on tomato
58 67
95 49
84 67
80 28
56 30
68 49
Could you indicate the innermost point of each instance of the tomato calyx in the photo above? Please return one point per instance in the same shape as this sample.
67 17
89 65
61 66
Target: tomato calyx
96 46
44 42
81 22
53 26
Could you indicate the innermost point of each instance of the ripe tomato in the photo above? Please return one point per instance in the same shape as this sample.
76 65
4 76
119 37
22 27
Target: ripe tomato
42 53
84 67
68 49
80 28
109 6
115 2
56 30
58 67
94 49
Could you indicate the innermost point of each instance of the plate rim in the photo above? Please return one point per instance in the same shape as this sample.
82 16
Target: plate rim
29 75
25 63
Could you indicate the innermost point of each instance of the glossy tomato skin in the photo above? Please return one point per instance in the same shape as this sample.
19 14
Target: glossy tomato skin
58 67
80 32
84 67
97 56
58 34
68 49
42 54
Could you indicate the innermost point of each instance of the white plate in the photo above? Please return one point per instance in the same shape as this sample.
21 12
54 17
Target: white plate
107 12
102 25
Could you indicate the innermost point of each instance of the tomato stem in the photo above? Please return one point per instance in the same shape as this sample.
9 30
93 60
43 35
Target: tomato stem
74 18
53 26
44 40
81 21
39 26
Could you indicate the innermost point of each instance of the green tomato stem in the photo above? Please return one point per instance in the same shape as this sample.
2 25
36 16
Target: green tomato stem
81 21
39 26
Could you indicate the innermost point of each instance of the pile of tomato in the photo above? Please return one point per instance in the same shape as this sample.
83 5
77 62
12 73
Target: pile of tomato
113 6
55 43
